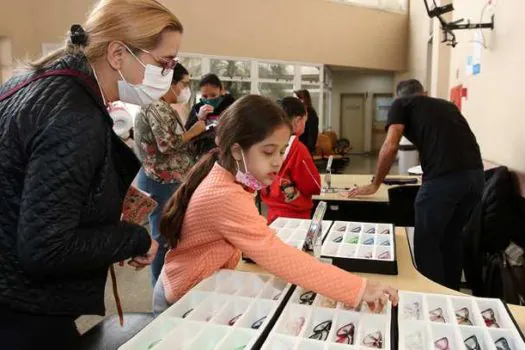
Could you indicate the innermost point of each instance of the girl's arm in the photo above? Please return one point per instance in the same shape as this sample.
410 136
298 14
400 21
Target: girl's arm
245 229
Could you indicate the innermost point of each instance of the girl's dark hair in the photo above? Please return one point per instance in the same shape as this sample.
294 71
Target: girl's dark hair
178 73
210 79
293 107
246 122
305 96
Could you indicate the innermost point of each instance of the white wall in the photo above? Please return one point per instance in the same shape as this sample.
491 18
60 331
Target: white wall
494 106
360 83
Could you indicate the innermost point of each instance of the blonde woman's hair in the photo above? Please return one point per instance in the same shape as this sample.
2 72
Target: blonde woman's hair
138 23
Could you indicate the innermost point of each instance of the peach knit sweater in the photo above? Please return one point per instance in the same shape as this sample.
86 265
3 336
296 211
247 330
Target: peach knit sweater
221 221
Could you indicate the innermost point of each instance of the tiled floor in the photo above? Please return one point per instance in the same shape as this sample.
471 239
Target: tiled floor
135 287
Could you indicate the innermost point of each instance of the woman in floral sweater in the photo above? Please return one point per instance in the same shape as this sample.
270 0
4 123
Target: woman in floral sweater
162 143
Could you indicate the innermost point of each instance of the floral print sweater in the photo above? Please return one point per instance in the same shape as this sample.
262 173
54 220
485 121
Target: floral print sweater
158 137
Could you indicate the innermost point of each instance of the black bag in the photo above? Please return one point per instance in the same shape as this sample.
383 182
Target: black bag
503 280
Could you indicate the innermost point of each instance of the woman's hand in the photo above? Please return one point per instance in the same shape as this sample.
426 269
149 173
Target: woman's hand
139 262
376 295
204 111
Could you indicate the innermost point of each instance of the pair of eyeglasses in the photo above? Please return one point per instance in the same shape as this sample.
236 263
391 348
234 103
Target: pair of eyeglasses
442 344
166 64
502 344
307 298
353 240
341 228
277 296
153 344
436 315
257 324
345 334
462 316
293 327
321 331
472 343
371 230
233 320
386 231
385 243
374 340
412 311
338 239
490 318
384 255
356 229
368 241
367 255
184 315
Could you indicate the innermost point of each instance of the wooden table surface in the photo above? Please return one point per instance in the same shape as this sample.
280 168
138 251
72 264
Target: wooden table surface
408 279
348 181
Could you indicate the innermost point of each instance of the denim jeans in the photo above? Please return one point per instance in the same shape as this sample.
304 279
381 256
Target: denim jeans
161 193
442 208
160 304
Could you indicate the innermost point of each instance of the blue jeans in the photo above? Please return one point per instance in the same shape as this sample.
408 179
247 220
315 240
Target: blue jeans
160 193
442 208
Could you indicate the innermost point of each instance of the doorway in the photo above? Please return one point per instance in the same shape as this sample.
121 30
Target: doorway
352 120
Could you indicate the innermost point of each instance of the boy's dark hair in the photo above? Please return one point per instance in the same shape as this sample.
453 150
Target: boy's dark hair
248 121
178 73
210 79
293 107
409 87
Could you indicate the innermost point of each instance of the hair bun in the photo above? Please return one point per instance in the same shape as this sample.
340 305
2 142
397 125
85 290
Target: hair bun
78 35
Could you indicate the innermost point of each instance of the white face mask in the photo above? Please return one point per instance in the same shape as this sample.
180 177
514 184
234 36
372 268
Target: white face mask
184 95
153 87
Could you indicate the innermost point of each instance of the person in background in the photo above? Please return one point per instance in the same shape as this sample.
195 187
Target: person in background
214 101
212 218
311 131
290 195
64 172
453 177
162 142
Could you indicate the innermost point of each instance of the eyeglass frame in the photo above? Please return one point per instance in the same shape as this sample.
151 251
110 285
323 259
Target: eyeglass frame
165 64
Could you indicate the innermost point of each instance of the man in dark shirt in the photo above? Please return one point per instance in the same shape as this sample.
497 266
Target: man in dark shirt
452 177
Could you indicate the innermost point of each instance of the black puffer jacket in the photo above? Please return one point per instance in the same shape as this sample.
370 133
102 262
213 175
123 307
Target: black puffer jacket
63 177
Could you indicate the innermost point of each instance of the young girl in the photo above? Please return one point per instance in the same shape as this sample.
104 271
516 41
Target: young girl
212 217
290 195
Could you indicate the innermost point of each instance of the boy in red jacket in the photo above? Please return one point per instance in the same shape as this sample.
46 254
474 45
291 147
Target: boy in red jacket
290 195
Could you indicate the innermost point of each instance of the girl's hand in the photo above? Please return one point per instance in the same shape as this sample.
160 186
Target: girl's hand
376 295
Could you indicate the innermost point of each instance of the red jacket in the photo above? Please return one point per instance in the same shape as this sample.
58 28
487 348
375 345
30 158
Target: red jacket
290 195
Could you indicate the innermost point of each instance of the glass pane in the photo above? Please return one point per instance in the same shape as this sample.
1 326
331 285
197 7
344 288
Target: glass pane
310 74
276 71
314 94
327 101
237 88
231 69
193 65
195 91
382 105
275 91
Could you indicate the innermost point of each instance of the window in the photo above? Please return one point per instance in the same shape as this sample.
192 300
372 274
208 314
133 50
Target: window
193 65
310 74
231 69
237 88
276 71
382 105
275 91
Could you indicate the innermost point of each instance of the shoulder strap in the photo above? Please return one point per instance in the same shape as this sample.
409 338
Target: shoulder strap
57 72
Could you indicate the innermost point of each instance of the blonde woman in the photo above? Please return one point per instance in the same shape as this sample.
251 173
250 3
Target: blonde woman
64 172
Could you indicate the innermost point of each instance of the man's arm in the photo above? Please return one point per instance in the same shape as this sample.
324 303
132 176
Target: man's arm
387 155
388 152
